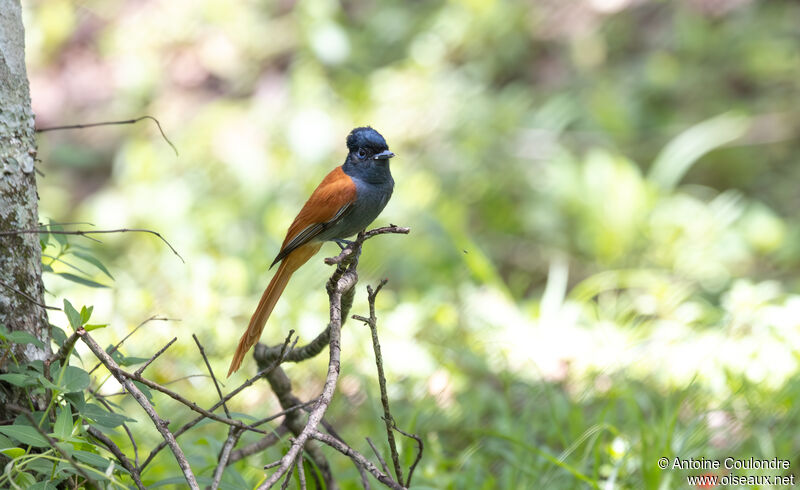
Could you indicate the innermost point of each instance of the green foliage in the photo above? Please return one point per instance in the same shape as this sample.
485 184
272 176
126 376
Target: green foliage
65 421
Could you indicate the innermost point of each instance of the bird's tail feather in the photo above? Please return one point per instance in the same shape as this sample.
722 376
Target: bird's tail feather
268 300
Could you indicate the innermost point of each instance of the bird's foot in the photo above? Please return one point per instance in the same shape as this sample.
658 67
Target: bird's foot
343 244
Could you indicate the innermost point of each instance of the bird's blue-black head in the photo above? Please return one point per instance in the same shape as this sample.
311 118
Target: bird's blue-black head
368 155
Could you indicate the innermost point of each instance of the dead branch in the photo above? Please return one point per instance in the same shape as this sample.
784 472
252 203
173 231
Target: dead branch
342 280
117 452
161 424
28 297
139 371
372 322
111 123
136 329
363 461
266 370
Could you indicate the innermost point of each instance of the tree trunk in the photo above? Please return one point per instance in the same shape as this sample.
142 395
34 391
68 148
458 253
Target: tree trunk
21 285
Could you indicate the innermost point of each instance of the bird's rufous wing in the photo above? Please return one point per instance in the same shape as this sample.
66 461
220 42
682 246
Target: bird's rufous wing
327 204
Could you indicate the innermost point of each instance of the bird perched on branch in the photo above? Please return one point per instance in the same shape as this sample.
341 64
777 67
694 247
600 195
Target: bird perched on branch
345 203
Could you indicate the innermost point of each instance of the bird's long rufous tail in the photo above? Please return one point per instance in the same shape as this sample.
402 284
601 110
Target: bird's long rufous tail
291 263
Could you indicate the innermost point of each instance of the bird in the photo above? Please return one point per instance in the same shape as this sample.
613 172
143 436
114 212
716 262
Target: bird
347 200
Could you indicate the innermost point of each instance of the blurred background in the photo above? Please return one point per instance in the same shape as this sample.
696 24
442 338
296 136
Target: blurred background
603 263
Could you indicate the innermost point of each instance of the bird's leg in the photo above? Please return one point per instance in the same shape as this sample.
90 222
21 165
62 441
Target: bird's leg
343 244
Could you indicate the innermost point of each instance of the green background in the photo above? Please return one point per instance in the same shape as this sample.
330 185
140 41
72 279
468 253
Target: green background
603 263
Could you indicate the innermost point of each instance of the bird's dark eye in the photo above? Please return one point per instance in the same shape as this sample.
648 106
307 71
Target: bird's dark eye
362 153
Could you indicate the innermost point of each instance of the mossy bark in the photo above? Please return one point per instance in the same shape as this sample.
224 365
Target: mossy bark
20 255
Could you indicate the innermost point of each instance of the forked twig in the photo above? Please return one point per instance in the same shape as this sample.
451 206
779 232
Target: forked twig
161 424
111 123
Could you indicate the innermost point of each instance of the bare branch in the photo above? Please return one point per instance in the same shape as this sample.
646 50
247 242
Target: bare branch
361 238
139 371
87 233
267 441
363 461
286 480
188 403
140 325
111 123
61 355
420 447
227 397
372 321
341 281
232 439
161 425
28 297
378 455
117 452
211 372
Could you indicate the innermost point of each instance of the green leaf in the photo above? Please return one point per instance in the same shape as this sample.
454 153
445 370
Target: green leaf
25 480
58 335
92 459
81 280
86 313
21 337
77 399
94 261
72 315
682 152
5 441
46 383
145 390
24 434
13 452
44 485
46 268
89 328
19 379
103 417
131 361
74 379
63 427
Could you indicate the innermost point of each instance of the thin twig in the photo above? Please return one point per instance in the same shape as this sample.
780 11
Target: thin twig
139 371
361 238
161 425
232 439
372 322
111 123
188 403
211 372
61 355
378 455
420 446
87 233
288 478
227 397
124 426
117 452
256 447
301 473
283 412
28 297
362 460
136 329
